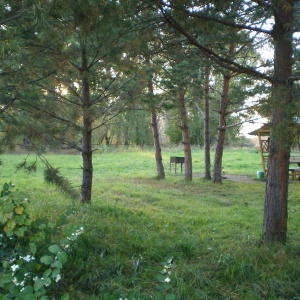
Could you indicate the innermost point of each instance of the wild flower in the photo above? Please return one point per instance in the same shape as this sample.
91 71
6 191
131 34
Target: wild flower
78 231
15 267
27 258
58 278
19 271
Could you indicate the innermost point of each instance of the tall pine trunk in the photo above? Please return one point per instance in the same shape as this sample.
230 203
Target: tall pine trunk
158 156
87 173
155 133
188 173
207 173
275 213
217 173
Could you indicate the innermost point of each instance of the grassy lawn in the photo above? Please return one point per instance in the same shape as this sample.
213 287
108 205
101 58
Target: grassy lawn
137 223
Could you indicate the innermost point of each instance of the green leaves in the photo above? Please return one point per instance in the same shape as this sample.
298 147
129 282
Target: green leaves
31 261
54 249
46 259
5 190
62 257
39 283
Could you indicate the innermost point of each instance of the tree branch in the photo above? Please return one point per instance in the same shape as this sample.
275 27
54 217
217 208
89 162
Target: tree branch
19 14
4 108
204 16
210 54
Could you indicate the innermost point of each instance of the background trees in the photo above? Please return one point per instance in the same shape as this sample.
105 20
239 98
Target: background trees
82 93
70 68
255 13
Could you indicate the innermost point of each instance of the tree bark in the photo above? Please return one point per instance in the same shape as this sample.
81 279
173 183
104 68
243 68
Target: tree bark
155 133
207 173
275 213
158 156
217 172
87 173
188 172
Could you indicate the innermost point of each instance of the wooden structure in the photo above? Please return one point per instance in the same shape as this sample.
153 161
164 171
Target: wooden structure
176 160
294 171
263 134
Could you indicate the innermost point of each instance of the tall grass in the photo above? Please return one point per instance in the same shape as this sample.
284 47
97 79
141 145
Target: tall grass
136 222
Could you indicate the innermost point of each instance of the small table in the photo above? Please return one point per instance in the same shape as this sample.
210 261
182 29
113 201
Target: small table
176 160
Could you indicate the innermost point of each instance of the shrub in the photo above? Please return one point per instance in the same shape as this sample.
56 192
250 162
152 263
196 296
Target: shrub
31 260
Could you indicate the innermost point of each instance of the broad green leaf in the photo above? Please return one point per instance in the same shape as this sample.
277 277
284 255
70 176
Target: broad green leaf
159 296
46 259
73 238
161 278
19 210
57 264
55 272
18 202
54 249
39 283
62 257
10 225
32 247
6 278
47 273
47 281
20 232
9 232
64 242
65 297
27 291
5 187
170 297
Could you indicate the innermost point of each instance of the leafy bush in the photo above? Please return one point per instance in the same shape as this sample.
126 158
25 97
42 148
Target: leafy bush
31 261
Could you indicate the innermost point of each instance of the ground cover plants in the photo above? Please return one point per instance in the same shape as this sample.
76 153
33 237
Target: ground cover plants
164 239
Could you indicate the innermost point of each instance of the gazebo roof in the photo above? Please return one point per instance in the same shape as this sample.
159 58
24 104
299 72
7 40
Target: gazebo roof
263 130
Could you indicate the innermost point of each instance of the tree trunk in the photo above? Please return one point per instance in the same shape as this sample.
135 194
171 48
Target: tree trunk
217 173
158 156
275 214
155 133
87 174
188 173
207 173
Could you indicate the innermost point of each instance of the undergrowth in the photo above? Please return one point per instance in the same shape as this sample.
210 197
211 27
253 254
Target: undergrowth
209 235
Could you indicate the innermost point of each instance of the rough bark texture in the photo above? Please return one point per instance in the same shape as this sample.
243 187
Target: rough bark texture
158 156
87 173
207 173
188 173
217 172
275 214
155 133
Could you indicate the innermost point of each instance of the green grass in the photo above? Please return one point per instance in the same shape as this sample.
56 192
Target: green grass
136 222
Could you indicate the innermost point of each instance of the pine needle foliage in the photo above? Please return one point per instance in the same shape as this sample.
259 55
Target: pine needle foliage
52 175
29 167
